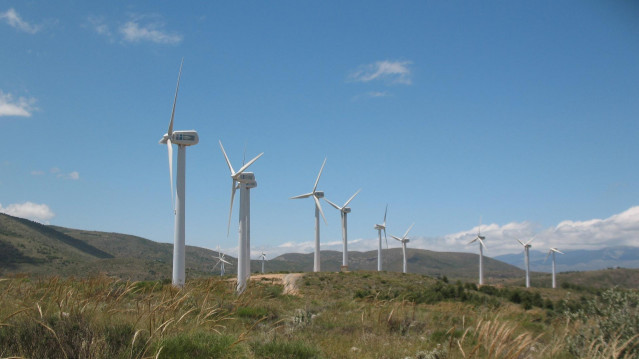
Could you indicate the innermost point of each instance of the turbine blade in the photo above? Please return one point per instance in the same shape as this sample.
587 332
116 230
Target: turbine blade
385 212
215 266
350 199
333 204
548 255
169 145
249 163
558 251
225 261
398 239
482 243
228 228
520 242
319 175
319 206
386 237
303 196
473 241
409 228
227 159
177 88
532 239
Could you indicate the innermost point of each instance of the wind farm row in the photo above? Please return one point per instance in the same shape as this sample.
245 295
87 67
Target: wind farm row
245 181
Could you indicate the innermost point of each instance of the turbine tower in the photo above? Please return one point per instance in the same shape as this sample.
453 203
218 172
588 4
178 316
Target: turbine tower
344 211
404 240
527 246
263 257
379 228
183 139
244 181
553 251
318 210
480 239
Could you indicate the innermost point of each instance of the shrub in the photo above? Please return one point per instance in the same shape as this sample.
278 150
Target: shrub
197 345
277 349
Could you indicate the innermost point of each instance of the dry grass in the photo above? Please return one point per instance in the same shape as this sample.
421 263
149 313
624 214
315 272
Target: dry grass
101 317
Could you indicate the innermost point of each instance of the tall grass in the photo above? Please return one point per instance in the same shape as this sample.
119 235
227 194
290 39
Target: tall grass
348 315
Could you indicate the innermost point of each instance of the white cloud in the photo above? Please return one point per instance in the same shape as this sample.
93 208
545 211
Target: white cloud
390 71
37 173
22 107
134 31
29 210
14 20
70 176
617 230
99 25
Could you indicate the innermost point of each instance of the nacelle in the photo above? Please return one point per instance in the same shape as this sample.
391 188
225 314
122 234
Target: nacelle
319 194
246 177
184 138
251 184
346 209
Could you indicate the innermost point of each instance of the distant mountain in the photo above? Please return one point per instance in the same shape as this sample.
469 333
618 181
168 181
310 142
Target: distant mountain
578 260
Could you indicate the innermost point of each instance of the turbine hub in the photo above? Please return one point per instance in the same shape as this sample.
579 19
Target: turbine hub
319 194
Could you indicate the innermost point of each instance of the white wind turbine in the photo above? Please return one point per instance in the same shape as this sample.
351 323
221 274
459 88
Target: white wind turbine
344 211
553 251
379 228
318 210
527 246
480 239
244 181
404 240
182 139
263 258
221 261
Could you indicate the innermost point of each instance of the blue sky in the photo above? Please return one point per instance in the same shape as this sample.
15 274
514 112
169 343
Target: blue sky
522 113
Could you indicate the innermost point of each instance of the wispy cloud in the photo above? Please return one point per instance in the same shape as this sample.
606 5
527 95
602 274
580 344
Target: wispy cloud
148 28
138 28
20 107
29 210
13 19
617 230
100 26
55 171
394 72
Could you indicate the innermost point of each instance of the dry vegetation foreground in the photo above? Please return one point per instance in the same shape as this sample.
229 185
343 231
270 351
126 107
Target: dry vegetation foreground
314 315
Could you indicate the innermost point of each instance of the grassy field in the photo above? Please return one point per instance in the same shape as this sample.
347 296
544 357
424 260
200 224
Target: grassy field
335 315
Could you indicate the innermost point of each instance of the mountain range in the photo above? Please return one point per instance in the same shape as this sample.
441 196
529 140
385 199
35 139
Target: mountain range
37 249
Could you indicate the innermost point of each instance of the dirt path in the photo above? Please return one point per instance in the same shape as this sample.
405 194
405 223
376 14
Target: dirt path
289 281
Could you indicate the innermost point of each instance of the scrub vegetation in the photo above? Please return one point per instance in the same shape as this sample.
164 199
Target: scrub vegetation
335 315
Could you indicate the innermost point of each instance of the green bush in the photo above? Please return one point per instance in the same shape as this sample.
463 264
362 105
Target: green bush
197 345
282 350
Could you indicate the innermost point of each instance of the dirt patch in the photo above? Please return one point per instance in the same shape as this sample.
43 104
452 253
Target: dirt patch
289 281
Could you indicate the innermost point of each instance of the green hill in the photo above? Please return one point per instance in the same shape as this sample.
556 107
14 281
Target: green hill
31 247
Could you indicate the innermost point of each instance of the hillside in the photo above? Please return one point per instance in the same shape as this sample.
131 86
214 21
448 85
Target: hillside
31 247
420 261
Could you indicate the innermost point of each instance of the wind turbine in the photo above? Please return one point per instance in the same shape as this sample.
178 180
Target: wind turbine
404 240
183 139
318 210
480 239
344 211
379 228
221 261
263 258
553 251
244 181
527 246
